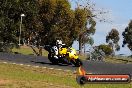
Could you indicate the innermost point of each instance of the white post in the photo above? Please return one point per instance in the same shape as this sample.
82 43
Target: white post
22 15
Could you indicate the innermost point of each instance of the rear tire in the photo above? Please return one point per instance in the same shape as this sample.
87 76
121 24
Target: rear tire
52 59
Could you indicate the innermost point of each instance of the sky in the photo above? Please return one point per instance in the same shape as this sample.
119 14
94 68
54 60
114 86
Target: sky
119 12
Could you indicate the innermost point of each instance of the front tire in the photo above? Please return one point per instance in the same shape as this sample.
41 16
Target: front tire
77 62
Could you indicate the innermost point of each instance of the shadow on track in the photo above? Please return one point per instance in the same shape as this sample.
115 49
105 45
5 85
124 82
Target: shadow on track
49 63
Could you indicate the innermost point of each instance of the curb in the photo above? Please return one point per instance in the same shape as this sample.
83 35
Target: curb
35 66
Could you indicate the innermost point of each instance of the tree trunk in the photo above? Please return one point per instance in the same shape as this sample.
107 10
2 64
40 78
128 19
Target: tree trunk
112 47
40 51
34 51
113 50
80 46
84 49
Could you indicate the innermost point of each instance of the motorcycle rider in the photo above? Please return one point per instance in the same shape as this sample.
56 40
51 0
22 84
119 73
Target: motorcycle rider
56 48
60 53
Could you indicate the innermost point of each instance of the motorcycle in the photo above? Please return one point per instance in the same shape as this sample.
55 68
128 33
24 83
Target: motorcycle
65 55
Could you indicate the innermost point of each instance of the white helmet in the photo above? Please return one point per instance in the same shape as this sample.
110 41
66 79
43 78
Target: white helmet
58 42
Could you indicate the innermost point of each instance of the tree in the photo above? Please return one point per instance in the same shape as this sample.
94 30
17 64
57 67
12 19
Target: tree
106 49
127 36
10 11
113 38
89 28
45 21
7 25
87 39
55 19
84 16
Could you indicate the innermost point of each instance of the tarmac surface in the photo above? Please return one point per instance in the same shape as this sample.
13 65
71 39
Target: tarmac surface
89 66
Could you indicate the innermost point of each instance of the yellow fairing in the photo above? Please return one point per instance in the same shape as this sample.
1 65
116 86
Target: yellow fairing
62 51
68 51
72 54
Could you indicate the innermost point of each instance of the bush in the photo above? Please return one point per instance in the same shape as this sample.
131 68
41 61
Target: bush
6 47
106 49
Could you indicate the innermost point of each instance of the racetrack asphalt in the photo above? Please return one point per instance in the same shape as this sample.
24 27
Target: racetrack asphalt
89 66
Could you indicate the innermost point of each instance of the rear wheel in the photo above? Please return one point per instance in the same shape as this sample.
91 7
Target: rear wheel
52 59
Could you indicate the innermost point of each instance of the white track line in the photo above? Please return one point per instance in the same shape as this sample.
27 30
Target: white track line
36 66
51 68
21 64
58 69
13 63
5 62
74 72
28 65
44 67
67 70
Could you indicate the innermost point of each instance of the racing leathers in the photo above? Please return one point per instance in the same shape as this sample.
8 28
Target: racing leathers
56 48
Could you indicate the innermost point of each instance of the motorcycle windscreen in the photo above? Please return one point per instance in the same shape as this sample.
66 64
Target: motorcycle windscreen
73 54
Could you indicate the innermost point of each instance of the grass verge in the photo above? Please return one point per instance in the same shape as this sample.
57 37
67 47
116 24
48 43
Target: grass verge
118 60
16 76
28 51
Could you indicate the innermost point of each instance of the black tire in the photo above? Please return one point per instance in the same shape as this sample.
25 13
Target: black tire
64 61
81 80
52 59
77 62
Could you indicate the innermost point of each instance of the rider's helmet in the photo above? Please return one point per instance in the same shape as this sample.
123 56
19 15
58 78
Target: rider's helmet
59 43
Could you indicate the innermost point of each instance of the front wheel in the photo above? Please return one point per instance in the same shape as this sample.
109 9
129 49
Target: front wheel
77 62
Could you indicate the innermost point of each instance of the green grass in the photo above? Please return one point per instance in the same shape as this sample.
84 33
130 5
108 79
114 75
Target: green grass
16 76
28 51
24 74
118 60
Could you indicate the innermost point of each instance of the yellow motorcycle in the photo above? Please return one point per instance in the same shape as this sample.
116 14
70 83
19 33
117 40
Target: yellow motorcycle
71 55
65 55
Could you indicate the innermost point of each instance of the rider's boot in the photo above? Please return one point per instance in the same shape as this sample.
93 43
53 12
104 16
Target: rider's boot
56 57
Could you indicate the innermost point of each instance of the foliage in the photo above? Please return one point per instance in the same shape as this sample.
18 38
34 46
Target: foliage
113 38
106 49
87 40
44 22
93 13
10 11
127 36
56 20
86 29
